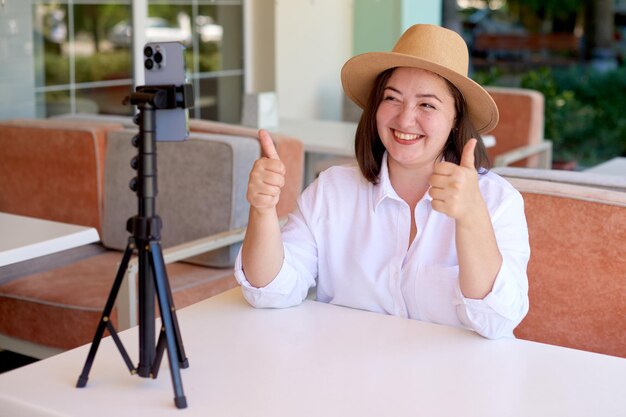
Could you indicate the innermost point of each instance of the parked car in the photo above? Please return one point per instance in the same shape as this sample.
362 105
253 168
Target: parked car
208 30
160 30
157 30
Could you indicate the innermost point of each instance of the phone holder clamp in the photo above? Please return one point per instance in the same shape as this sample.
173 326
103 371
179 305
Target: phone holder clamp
163 96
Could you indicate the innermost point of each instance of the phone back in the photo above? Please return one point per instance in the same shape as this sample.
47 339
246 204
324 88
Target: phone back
164 64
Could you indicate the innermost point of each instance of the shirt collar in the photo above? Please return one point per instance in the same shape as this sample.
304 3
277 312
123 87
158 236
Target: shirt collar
384 189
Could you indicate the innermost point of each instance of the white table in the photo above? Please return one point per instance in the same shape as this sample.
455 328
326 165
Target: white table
23 238
322 360
615 166
326 138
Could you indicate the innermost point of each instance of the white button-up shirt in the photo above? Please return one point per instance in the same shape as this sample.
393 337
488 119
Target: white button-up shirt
350 238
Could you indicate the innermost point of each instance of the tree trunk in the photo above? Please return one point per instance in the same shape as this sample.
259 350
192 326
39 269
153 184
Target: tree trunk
604 24
450 16
599 30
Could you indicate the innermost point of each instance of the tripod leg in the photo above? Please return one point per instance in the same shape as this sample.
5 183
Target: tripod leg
146 310
120 347
106 315
182 358
160 277
160 349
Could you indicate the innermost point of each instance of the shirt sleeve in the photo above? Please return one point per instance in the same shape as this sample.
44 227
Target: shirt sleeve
507 304
299 269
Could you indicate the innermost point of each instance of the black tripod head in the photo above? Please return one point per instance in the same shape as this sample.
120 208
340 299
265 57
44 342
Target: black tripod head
163 96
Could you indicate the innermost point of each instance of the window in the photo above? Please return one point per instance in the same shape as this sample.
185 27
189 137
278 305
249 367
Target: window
84 63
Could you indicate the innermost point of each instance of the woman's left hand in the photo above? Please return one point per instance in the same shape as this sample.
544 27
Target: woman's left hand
454 188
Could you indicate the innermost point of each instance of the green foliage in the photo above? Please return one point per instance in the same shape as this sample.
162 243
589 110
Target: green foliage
583 112
101 66
488 77
209 58
57 69
104 66
552 7
91 18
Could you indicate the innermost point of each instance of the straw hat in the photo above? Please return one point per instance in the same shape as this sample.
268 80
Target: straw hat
428 47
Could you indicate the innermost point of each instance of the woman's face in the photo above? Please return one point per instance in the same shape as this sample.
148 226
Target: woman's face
415 117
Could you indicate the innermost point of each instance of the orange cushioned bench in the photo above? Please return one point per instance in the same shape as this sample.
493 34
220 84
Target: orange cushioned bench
53 170
577 267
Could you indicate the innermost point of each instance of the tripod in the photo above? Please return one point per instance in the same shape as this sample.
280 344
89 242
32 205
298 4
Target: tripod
145 229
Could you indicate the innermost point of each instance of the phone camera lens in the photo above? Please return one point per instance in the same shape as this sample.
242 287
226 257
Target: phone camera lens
158 57
149 64
147 51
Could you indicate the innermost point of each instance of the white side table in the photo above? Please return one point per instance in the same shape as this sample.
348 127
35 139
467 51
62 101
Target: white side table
23 238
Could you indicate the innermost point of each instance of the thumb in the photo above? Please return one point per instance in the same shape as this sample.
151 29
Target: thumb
267 145
467 158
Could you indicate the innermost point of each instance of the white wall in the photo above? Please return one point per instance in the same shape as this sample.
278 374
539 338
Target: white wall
313 39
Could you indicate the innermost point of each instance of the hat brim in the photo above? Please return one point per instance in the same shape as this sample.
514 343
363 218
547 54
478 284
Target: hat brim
359 73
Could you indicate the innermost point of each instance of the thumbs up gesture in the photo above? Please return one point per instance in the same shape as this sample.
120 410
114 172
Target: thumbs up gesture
267 176
454 188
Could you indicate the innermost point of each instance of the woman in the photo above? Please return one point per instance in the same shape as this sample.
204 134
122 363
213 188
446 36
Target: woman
420 228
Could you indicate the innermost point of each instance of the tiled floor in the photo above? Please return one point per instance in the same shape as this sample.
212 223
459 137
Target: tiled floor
10 360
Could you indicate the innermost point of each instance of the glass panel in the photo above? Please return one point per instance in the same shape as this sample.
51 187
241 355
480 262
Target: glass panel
169 23
102 51
104 100
53 103
50 44
220 99
220 37
88 67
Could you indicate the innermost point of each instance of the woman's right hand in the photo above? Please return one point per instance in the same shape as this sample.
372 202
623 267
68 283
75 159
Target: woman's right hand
267 177
262 252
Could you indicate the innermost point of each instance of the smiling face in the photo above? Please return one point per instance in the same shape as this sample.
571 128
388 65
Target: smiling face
415 117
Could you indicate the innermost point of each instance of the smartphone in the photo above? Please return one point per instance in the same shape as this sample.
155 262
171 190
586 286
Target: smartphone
164 64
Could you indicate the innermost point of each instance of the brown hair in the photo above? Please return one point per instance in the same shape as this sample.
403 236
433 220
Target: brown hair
369 148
